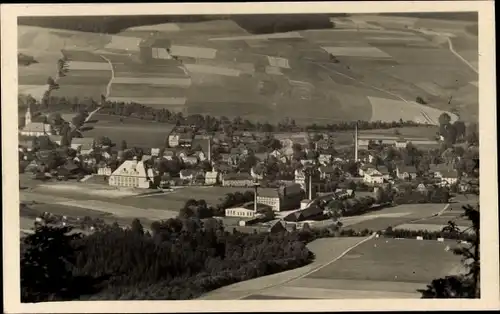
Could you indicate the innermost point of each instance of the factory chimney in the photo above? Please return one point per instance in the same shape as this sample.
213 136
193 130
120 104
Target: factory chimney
310 185
255 186
356 142
209 149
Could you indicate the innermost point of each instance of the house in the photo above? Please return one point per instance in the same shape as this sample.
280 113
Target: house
422 188
275 153
237 180
300 177
27 142
168 154
55 139
186 139
187 174
373 178
285 197
130 173
104 170
450 177
106 155
344 193
173 140
190 160
326 172
366 167
325 159
322 144
305 162
400 143
406 172
277 226
85 144
310 213
257 172
155 152
36 129
201 156
211 177
437 170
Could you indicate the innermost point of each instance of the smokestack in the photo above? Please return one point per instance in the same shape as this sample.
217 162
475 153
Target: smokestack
255 186
209 149
356 142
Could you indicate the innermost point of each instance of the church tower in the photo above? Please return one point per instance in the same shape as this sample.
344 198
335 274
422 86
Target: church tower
27 116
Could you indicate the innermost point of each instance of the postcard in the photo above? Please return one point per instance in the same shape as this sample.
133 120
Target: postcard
249 157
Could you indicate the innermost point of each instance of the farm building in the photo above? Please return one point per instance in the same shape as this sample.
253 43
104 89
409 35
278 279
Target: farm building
283 198
277 226
130 174
449 177
105 171
310 213
26 142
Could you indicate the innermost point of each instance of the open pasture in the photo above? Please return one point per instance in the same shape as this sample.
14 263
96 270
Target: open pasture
81 91
157 81
357 52
166 68
85 77
141 90
392 260
147 136
82 56
393 110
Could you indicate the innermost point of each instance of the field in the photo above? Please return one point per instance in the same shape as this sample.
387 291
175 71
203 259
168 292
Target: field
393 262
384 63
135 132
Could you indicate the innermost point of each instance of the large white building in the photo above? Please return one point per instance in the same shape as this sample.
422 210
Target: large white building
132 174
34 128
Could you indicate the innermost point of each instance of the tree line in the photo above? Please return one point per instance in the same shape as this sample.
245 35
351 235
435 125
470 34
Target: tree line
206 122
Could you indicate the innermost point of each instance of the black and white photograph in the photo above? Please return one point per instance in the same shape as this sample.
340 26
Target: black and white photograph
274 156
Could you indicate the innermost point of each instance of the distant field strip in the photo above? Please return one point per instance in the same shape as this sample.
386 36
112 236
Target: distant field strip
357 52
81 55
140 90
36 91
273 70
193 52
166 27
84 65
124 43
207 69
150 100
432 88
122 210
392 110
409 38
261 37
161 81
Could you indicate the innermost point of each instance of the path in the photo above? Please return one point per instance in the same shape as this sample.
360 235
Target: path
108 88
450 46
424 114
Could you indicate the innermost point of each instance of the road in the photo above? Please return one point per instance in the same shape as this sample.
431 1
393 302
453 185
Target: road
450 46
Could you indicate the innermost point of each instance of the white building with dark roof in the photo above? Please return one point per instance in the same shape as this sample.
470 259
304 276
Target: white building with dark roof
130 173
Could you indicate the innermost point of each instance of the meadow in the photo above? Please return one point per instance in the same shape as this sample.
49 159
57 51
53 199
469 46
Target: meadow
392 260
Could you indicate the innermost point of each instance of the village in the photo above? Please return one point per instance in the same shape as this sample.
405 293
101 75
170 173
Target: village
292 177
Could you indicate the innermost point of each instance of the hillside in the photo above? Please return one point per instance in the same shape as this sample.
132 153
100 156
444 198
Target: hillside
364 67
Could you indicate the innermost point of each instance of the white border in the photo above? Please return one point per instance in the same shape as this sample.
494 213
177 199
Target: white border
487 113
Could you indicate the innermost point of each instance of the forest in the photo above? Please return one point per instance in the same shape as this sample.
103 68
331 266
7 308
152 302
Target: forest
267 23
